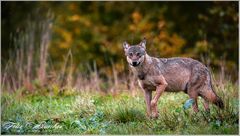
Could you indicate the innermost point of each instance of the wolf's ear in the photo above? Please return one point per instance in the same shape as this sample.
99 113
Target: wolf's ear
125 46
143 43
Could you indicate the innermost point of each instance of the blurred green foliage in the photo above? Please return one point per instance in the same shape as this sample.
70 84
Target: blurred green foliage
94 31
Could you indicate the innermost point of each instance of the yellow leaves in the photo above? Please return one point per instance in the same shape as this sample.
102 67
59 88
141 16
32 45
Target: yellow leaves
145 27
132 27
170 45
66 38
64 45
74 18
85 21
201 46
177 41
80 19
174 40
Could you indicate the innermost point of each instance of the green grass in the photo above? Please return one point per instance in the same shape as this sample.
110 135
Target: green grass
93 113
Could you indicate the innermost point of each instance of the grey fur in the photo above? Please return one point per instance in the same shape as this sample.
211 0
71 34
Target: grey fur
170 75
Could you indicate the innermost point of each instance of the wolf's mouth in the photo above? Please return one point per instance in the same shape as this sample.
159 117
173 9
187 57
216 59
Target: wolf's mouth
135 64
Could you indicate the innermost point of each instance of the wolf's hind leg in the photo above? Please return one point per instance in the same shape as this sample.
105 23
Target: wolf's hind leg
193 94
197 81
206 105
195 104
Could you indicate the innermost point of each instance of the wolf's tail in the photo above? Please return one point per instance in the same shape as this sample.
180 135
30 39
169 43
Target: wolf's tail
211 96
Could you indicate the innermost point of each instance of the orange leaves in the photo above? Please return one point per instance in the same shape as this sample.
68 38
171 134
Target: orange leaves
178 41
73 7
147 26
170 45
140 23
163 35
136 16
161 24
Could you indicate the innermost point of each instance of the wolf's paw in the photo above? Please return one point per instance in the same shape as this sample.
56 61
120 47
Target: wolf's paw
148 115
155 115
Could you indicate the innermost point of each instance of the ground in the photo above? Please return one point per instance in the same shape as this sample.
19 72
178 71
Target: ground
86 112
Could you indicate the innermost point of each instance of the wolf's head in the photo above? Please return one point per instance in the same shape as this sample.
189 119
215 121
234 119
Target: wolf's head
135 53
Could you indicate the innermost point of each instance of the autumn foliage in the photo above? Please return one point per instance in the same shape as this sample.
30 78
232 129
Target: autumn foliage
80 43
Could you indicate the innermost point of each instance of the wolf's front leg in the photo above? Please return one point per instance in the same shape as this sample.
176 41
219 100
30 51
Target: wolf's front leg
162 84
148 98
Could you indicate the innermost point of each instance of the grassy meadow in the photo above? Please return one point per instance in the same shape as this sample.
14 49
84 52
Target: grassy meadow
85 112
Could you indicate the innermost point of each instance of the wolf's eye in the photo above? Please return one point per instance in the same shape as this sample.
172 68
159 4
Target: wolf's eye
130 54
138 54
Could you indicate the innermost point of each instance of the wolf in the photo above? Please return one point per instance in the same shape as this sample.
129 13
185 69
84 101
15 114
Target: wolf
170 75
